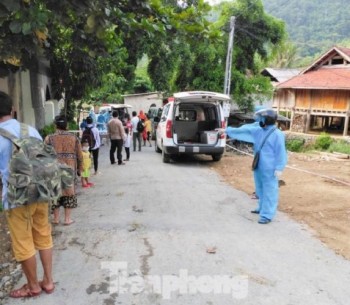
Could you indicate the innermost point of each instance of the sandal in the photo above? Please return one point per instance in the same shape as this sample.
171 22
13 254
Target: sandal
23 292
69 223
255 212
48 291
254 196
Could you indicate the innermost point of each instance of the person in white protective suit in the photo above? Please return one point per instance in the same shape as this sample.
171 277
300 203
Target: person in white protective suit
270 141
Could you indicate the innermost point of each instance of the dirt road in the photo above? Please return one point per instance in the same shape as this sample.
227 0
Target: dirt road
323 204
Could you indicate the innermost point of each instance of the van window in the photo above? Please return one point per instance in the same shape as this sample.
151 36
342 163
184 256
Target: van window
186 115
165 112
211 113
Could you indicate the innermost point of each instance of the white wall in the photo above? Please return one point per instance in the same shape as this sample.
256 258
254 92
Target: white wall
143 101
27 111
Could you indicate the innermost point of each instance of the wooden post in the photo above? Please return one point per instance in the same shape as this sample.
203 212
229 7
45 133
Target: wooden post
308 121
346 124
292 109
326 122
308 114
347 119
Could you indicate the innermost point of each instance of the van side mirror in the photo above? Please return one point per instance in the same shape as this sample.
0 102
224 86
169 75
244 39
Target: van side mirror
156 119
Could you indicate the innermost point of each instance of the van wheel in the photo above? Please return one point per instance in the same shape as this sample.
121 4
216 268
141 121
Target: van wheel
156 148
216 157
165 156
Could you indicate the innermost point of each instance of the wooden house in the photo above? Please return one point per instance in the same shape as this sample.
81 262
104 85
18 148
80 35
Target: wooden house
318 98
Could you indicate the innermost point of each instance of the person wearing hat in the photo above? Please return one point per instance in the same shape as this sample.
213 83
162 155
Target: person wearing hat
269 145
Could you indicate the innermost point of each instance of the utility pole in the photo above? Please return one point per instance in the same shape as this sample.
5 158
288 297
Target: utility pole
227 84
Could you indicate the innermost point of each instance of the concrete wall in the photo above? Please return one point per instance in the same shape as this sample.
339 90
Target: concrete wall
26 111
143 101
19 87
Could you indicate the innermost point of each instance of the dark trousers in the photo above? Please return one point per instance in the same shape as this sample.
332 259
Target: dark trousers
116 144
127 151
94 153
136 135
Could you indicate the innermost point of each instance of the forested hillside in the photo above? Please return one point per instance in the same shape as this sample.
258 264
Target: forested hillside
313 25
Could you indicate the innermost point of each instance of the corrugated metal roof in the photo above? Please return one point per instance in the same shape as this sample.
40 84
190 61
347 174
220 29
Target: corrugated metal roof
140 94
324 78
280 75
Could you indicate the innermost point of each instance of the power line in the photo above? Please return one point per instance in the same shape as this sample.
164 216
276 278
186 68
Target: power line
297 169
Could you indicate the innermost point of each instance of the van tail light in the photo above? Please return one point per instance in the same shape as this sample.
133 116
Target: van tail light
223 126
169 129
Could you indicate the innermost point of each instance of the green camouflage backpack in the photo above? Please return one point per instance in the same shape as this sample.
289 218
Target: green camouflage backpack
35 174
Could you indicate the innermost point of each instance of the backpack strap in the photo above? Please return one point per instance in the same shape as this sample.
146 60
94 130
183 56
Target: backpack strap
263 142
15 145
24 130
7 134
24 134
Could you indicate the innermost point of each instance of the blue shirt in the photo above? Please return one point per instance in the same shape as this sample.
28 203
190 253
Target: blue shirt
14 127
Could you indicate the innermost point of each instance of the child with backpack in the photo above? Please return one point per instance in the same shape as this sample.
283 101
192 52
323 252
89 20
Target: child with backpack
85 174
92 136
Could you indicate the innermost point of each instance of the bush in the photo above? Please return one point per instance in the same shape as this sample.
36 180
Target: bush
48 129
295 145
323 141
340 146
73 125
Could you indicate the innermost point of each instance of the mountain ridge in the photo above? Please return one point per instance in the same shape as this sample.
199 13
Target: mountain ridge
313 26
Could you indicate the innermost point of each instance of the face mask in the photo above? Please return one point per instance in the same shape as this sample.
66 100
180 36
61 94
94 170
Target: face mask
262 122
85 148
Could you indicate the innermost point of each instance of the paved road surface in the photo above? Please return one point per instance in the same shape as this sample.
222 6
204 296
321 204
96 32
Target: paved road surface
154 223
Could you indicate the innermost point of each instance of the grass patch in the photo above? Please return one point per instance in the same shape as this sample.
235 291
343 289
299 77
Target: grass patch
323 142
340 146
295 145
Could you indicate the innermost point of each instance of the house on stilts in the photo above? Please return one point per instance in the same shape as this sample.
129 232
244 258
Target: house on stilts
318 98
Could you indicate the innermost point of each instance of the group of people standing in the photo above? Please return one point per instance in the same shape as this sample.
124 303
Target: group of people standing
29 225
139 135
122 133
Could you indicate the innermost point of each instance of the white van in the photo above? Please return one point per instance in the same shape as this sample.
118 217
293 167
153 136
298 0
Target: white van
190 124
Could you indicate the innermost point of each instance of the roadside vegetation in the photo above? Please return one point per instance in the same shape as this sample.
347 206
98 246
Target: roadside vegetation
95 48
323 142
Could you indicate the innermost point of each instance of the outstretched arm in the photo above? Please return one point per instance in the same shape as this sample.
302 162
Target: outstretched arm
243 133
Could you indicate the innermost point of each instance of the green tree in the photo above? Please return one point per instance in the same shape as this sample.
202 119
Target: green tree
204 60
170 54
256 34
75 35
284 55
